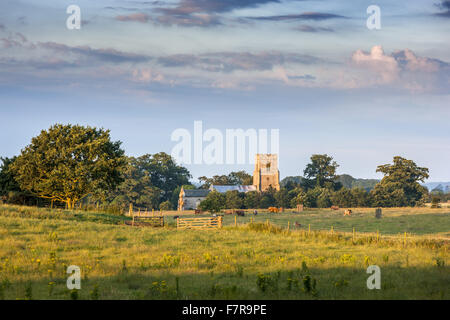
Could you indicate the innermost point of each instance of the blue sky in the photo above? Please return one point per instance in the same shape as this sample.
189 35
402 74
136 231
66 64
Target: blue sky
309 68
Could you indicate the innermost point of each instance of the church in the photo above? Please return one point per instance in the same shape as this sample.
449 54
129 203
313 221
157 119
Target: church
266 174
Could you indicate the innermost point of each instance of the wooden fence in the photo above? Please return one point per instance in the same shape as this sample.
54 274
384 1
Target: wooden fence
200 223
154 221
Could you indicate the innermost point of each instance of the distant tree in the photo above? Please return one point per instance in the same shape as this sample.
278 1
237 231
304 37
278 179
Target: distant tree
324 198
252 199
241 178
214 202
136 187
343 198
360 197
297 196
282 198
400 185
69 162
165 206
233 178
311 196
233 200
321 170
164 173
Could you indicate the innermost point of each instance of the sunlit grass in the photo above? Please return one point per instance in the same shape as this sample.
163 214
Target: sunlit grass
255 261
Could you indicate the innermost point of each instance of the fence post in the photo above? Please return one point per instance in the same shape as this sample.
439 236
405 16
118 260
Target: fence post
353 236
220 221
130 212
132 223
289 224
235 221
309 229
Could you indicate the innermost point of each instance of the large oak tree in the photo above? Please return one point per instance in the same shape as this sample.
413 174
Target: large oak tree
69 162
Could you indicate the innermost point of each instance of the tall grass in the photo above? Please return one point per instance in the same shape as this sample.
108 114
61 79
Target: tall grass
253 261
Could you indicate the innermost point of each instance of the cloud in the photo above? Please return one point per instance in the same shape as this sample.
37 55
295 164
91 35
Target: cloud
402 68
147 75
301 16
212 6
202 13
137 17
106 55
191 20
308 28
444 6
231 61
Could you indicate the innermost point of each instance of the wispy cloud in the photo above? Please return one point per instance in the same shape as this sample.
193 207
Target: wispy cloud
137 17
309 28
300 16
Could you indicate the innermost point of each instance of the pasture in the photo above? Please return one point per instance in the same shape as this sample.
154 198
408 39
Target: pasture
256 260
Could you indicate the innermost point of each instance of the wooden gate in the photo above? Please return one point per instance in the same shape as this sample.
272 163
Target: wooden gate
200 223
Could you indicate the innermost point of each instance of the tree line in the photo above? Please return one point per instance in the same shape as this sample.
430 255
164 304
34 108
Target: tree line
73 165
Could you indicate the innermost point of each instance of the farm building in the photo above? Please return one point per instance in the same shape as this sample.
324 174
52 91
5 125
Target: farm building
190 199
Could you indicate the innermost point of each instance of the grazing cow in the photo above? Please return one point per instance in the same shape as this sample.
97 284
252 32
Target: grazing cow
273 209
334 207
347 212
297 225
240 213
255 212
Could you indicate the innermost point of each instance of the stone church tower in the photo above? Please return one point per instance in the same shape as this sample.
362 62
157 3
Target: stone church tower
266 172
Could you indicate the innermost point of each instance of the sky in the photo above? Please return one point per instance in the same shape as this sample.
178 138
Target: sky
311 69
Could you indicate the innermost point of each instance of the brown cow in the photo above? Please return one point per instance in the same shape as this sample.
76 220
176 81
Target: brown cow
347 212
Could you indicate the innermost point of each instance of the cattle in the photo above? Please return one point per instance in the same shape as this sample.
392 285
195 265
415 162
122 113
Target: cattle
297 225
347 212
240 213
334 207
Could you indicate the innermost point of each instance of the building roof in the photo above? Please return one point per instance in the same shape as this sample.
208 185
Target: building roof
196 192
239 188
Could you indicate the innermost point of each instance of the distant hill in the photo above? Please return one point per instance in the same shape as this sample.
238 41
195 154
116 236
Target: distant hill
347 181
438 186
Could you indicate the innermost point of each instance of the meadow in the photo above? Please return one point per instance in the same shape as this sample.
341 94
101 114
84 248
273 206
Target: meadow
259 260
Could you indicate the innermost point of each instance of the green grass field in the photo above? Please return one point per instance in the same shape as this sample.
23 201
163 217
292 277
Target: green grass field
251 261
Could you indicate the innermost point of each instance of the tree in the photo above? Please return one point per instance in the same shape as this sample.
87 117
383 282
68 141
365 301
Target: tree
164 173
165 206
321 170
324 199
343 198
400 184
136 187
311 196
7 181
68 162
214 202
297 197
252 199
233 200
233 178
282 198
